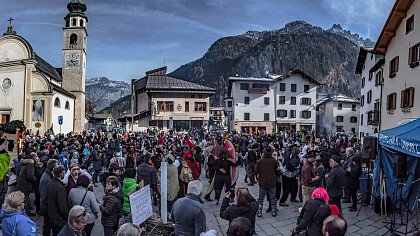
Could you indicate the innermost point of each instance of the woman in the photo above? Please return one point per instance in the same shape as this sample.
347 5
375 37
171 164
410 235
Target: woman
76 223
246 206
13 217
313 213
111 206
85 198
222 176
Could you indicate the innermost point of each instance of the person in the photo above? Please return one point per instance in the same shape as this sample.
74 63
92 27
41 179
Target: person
308 177
290 185
78 218
39 170
57 208
85 198
128 229
246 206
222 176
147 173
314 213
353 173
14 221
113 170
43 183
111 206
335 181
72 177
334 226
251 161
129 184
346 163
188 213
240 226
26 180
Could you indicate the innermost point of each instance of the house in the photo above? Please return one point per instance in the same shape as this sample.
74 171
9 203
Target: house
217 118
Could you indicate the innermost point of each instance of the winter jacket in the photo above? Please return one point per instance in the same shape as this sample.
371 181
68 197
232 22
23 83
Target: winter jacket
310 219
17 223
111 207
128 185
188 216
45 179
335 182
4 163
194 166
89 203
66 231
267 171
147 173
231 212
352 177
57 209
26 179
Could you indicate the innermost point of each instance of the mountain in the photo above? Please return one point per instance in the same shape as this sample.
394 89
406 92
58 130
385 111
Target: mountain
101 92
329 56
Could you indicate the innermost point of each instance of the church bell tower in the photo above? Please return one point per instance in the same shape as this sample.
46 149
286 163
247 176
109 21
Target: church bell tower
74 58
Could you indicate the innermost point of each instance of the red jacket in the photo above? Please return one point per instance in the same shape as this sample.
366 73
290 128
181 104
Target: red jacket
195 168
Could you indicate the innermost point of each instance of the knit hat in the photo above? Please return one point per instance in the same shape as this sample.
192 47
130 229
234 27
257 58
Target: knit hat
336 159
268 151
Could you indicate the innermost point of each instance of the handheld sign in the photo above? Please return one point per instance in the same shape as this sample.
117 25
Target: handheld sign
60 120
141 205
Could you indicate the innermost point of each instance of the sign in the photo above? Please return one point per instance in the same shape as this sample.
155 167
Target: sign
141 205
60 120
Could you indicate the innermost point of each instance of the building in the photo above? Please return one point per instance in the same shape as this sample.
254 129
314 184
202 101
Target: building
100 121
168 103
371 67
399 42
337 113
271 104
35 92
217 119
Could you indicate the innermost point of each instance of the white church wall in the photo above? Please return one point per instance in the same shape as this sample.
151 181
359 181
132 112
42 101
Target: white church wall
68 114
39 84
12 50
14 97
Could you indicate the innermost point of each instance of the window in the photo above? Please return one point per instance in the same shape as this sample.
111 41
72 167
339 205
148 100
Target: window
246 100
370 75
165 106
391 102
407 98
246 116
378 78
293 87
353 107
266 116
266 101
74 22
67 23
200 96
306 114
5 119
340 106
353 130
292 100
259 85
281 113
187 106
306 88
67 106
73 40
82 23
200 106
244 86
192 96
339 128
369 96
361 119
339 119
230 103
292 113
305 101
353 119
363 82
409 24
393 67
362 100
282 87
57 102
282 100
414 56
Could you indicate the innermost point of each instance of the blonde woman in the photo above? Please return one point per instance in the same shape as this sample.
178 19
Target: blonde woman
13 217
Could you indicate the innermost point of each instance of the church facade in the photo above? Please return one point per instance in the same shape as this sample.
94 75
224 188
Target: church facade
33 91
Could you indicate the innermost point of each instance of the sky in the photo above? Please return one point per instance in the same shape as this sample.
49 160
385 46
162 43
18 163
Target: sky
129 37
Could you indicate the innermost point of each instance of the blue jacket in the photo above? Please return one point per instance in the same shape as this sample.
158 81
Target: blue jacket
19 222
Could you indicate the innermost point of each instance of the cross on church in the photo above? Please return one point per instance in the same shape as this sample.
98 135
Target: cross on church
10 20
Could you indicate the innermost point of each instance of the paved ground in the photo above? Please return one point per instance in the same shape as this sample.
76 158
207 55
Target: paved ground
367 223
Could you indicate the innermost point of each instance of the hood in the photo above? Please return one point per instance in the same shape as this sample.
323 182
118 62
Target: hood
26 161
118 194
129 182
5 214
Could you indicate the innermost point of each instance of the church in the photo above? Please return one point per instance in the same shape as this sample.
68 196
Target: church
40 95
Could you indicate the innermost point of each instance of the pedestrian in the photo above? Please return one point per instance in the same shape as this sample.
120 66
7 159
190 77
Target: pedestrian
113 170
335 181
43 183
353 173
267 171
346 163
334 226
147 173
26 180
111 206
128 229
188 213
14 221
308 177
71 178
240 226
251 161
77 221
222 177
291 167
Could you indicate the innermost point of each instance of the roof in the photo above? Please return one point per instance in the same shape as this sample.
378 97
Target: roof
48 69
403 138
99 116
361 59
378 64
299 72
62 91
250 79
337 98
397 14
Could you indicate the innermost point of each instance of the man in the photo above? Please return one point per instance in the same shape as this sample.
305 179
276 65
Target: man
57 209
187 212
147 173
334 226
347 161
43 183
335 181
26 180
70 178
267 171
308 177
76 222
251 161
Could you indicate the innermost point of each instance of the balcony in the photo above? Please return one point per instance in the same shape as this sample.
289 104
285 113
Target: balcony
374 118
257 91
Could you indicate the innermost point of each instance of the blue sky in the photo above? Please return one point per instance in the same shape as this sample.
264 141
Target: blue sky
129 37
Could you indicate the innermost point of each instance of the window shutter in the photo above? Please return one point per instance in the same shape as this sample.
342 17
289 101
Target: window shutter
411 97
394 101
397 62
410 55
309 100
402 99
387 103
390 67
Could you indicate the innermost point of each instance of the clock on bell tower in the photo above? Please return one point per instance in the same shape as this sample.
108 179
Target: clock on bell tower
74 58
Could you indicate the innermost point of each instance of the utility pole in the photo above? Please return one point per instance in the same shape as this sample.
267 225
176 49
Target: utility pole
132 106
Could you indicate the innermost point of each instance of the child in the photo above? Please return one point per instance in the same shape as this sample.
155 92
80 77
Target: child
112 206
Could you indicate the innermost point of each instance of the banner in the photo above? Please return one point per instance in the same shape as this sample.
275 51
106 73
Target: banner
141 205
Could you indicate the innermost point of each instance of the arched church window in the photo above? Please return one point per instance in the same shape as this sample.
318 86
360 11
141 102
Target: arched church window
82 23
67 105
74 22
73 40
67 23
57 102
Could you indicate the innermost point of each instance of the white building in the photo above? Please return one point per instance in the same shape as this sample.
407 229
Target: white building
399 41
272 104
217 118
337 113
370 66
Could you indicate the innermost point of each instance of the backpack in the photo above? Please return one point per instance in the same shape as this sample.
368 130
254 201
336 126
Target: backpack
186 173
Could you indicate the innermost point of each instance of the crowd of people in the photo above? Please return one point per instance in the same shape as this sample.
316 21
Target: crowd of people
61 172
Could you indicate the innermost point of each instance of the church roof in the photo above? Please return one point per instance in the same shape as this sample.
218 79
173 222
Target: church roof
62 91
48 69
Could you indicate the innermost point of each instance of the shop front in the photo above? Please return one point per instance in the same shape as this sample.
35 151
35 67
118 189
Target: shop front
254 127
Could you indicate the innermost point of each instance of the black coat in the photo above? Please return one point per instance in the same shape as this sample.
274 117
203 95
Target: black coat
310 219
352 177
26 179
57 209
231 212
110 208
